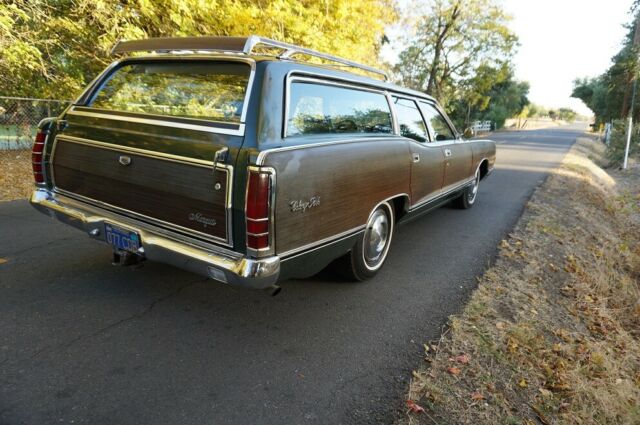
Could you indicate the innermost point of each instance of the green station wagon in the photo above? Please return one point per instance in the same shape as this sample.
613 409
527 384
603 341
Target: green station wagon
228 157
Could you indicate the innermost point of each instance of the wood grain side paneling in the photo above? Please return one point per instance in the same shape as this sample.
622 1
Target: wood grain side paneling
349 179
164 190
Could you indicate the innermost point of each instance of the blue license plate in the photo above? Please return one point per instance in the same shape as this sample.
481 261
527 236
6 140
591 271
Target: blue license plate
121 239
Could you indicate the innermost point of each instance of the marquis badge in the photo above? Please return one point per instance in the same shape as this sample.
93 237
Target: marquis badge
199 218
304 205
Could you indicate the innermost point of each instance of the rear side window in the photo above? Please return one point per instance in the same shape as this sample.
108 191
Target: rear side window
316 108
202 90
410 120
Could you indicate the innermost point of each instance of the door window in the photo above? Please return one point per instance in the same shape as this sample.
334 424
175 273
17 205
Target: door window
410 120
438 126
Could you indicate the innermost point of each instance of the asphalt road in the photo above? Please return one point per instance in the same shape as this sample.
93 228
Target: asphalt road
82 341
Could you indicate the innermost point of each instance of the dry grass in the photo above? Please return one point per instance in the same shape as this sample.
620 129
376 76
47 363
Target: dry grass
552 334
16 178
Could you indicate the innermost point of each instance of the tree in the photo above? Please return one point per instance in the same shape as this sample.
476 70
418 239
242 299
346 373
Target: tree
609 95
453 39
567 114
52 48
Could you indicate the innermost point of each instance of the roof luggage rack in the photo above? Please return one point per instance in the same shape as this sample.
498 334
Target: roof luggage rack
234 45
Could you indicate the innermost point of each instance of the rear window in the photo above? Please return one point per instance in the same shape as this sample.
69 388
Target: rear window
203 90
320 109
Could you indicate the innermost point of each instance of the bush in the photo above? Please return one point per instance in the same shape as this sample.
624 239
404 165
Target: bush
615 150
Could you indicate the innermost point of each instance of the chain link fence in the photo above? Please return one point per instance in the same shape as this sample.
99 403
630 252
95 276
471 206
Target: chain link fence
19 118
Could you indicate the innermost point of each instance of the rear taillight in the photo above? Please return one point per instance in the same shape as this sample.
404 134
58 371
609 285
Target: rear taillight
37 155
258 209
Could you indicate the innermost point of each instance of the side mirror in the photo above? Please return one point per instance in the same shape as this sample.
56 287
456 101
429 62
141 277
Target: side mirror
468 133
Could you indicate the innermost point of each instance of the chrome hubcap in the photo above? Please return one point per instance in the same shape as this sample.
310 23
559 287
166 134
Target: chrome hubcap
376 238
471 197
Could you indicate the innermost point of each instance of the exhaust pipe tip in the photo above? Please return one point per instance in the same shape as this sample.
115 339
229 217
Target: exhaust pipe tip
273 290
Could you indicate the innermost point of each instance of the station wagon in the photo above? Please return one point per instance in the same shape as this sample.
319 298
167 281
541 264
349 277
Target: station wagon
250 161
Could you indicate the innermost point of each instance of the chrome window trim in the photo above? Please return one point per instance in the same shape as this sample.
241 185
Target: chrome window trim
294 76
92 88
228 241
263 154
394 115
161 122
271 248
444 115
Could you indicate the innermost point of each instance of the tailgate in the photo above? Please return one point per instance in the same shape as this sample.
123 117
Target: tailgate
145 141
185 195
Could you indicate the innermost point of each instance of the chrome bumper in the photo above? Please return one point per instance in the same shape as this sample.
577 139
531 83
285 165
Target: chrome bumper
219 264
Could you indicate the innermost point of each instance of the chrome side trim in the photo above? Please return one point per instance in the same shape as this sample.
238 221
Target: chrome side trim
329 242
260 160
228 169
157 121
435 197
318 244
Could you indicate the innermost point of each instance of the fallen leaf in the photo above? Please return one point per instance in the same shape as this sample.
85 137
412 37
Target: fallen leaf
463 358
477 396
414 407
454 371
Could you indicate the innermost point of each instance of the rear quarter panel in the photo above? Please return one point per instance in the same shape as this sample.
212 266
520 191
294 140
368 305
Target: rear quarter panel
348 179
483 149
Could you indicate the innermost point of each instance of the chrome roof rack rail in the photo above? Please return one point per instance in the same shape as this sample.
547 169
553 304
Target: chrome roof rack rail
231 45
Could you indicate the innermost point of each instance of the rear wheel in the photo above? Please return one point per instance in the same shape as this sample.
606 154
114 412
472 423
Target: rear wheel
469 195
370 251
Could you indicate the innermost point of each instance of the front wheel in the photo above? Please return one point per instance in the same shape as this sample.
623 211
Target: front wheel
469 194
370 251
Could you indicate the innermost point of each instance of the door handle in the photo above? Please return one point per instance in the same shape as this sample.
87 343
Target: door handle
416 157
447 152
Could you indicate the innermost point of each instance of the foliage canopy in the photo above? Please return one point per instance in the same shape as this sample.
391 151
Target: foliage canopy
461 54
53 48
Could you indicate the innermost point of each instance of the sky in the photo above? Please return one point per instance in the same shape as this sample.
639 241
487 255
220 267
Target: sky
560 40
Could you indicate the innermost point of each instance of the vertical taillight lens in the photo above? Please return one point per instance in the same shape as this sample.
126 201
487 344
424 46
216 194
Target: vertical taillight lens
37 157
258 209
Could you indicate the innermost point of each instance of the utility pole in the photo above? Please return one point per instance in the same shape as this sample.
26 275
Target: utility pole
636 43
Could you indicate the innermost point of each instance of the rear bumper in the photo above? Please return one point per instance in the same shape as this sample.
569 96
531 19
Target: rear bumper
162 246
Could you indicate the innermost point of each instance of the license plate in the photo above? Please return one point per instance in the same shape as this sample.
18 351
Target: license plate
121 239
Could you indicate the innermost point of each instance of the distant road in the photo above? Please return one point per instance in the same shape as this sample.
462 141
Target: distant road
84 342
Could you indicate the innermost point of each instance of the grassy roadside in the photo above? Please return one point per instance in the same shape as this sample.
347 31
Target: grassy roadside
552 334
16 178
